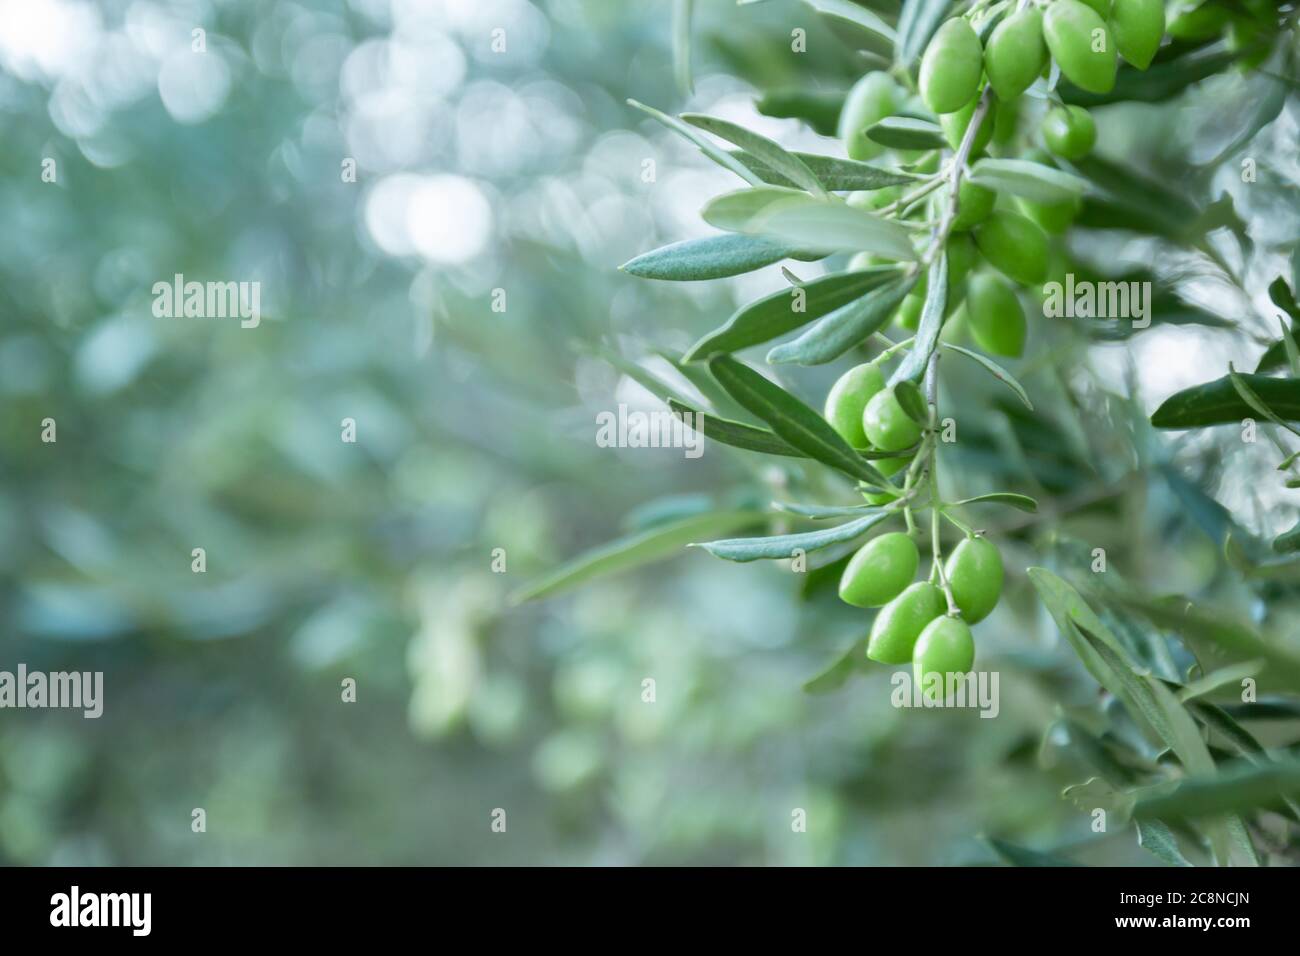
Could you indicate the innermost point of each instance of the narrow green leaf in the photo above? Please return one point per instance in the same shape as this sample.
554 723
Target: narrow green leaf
1027 179
719 156
771 153
713 257
1156 838
820 109
784 311
1233 674
822 511
735 434
791 419
682 10
786 545
833 173
927 331
906 132
624 554
837 332
1253 400
1219 403
996 370
1236 788
1159 82
1022 502
852 13
911 400
917 22
815 224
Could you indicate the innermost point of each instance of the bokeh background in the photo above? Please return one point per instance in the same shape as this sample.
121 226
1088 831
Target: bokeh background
480 169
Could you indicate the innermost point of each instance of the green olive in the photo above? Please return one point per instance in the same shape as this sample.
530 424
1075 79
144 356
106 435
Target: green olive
994 316
974 204
951 67
1069 131
901 621
888 427
954 125
909 311
1015 53
961 254
1014 246
1137 26
944 647
880 570
1199 22
1053 218
871 99
1081 44
874 198
847 399
1006 122
974 572
1101 6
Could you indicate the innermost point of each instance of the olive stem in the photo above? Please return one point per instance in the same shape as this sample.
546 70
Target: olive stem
936 503
930 186
940 236
965 528
894 349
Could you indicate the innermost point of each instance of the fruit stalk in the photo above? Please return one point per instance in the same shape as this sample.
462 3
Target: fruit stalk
936 549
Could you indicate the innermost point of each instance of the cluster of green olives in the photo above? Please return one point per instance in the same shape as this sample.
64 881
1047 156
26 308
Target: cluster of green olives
1085 38
915 623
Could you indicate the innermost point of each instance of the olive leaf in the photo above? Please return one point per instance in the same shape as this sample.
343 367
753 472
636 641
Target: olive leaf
1288 541
1158 82
905 132
909 397
820 109
1028 180
1157 839
659 542
682 10
853 13
842 329
917 22
996 370
834 173
821 511
719 156
927 331
1220 403
1211 682
1248 396
786 545
713 257
771 153
1021 502
735 434
792 216
1239 787
791 419
787 310
1023 856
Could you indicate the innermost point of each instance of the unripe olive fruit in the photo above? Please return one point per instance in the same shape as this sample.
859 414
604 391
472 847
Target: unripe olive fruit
961 254
888 427
847 399
1199 23
1137 26
1014 245
880 570
994 316
1069 27
901 621
974 573
944 647
1101 6
1069 131
954 125
974 204
871 99
1053 218
951 67
1015 53
909 311
874 198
